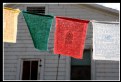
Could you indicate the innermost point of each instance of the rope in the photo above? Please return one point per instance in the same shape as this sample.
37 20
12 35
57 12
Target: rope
58 66
15 10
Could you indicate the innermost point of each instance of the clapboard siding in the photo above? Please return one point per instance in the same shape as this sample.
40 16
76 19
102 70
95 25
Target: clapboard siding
12 61
107 70
54 61
10 70
9 57
53 77
10 73
10 77
54 69
54 73
107 78
54 65
24 47
114 70
12 65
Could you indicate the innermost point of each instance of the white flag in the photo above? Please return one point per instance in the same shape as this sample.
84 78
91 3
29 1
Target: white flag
106 44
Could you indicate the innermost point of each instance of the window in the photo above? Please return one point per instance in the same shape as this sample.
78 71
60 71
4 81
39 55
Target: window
80 73
81 69
30 69
40 10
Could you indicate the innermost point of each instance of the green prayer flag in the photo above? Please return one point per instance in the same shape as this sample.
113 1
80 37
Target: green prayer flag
39 27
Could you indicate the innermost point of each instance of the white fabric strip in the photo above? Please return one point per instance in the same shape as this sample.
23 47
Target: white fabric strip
106 41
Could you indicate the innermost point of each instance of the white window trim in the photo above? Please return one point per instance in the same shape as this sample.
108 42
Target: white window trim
40 69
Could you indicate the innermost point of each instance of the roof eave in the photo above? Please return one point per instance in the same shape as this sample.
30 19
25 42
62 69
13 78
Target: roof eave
102 8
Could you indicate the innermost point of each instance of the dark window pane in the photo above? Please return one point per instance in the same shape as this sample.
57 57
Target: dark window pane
34 70
26 70
80 73
40 10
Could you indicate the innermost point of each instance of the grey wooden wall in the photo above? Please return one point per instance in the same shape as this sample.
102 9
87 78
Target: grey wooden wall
24 48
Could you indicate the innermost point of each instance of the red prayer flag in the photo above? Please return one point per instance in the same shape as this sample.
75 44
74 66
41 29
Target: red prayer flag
70 35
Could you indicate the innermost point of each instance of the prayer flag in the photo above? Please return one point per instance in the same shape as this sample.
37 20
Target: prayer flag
39 27
10 19
106 44
70 35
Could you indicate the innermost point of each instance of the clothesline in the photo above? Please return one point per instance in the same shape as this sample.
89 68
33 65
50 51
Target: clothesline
103 21
15 10
18 10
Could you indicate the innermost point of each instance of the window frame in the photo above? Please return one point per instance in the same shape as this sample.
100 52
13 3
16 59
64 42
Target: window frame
29 59
41 69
